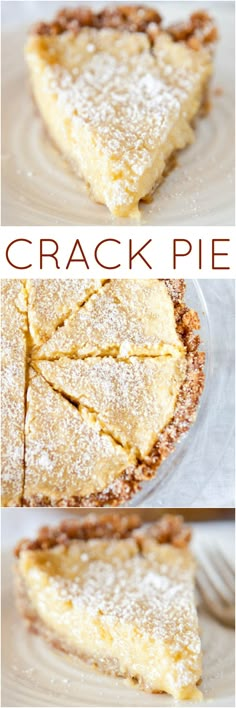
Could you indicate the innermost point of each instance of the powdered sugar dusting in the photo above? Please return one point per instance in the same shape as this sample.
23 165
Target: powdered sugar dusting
150 592
13 365
96 415
65 455
114 391
50 302
124 318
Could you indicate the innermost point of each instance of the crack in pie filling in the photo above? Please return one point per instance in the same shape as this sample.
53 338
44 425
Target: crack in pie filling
107 377
118 93
118 595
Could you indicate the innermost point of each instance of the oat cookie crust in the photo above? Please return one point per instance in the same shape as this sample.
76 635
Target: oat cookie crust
198 30
168 529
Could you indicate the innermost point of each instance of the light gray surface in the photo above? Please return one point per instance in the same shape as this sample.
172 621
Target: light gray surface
220 297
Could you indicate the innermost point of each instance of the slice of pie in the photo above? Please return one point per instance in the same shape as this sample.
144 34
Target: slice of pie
65 456
13 387
104 385
108 376
50 302
118 94
117 595
125 318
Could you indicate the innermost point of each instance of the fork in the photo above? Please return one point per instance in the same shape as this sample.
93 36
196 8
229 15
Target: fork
216 583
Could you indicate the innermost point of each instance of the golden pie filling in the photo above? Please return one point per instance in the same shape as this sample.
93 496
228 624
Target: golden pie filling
107 377
13 383
126 605
119 102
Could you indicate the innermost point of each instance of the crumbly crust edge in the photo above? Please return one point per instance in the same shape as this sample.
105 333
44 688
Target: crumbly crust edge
169 529
129 482
198 30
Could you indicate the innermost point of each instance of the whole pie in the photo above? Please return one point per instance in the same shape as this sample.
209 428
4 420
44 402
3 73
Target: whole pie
119 595
118 92
100 380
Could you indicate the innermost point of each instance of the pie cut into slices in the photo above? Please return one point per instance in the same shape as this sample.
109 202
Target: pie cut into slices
119 595
107 378
118 93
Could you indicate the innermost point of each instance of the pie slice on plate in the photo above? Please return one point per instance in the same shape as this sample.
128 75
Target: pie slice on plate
106 378
118 94
118 595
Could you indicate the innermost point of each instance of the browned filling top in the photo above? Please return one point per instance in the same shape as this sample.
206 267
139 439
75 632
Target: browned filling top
199 29
168 529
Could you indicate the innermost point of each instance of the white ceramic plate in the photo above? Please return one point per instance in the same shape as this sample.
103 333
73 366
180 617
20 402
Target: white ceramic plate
35 675
39 188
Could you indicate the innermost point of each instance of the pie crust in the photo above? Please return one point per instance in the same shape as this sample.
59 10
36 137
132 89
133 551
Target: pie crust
109 433
107 568
118 93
